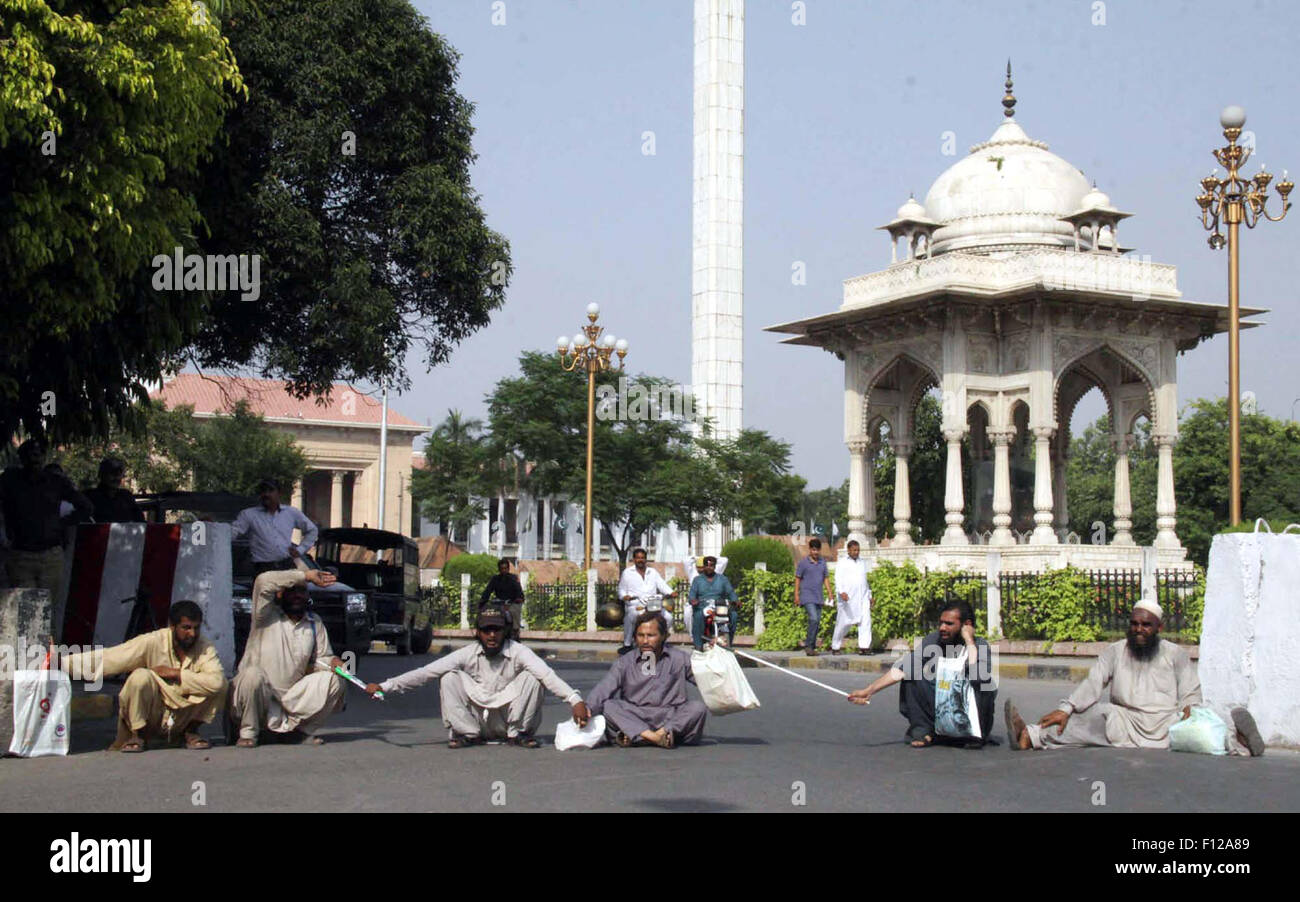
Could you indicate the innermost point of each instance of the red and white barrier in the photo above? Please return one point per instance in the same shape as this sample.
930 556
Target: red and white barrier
169 562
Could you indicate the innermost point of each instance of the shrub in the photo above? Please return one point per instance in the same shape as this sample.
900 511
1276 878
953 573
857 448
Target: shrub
480 567
1249 525
1052 606
743 554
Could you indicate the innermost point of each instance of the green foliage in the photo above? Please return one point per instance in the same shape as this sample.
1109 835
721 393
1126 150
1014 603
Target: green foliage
233 453
1053 605
754 482
454 460
1276 526
105 117
1194 609
348 169
480 567
825 508
906 603
1270 475
229 453
742 554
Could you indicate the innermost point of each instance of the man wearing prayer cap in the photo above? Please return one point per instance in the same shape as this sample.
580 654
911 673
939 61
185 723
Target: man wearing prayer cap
491 688
1153 685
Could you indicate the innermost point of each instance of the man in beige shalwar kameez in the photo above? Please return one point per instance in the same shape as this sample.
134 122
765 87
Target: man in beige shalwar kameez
176 682
286 680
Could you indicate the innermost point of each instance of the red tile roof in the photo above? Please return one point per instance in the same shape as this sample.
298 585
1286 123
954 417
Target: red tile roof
268 397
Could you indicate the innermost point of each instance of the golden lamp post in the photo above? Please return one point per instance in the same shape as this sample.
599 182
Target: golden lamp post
1232 201
590 352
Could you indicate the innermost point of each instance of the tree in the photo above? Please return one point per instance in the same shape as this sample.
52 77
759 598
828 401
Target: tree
347 171
107 112
1270 475
757 486
228 453
453 474
826 508
927 473
233 453
644 475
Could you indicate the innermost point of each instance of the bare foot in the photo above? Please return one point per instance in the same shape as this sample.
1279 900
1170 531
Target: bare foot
246 743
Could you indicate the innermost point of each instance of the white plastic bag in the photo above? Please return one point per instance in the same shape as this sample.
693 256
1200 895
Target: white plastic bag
955 713
721 682
568 735
42 711
1203 733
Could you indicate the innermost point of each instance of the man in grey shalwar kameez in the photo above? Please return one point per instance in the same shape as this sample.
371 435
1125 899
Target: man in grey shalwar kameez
1153 685
492 688
643 697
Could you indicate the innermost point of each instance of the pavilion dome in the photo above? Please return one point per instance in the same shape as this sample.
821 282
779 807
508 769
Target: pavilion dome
1007 195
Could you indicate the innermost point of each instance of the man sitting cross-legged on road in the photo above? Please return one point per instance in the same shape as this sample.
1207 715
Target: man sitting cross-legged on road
286 680
492 688
175 685
1153 685
643 697
917 672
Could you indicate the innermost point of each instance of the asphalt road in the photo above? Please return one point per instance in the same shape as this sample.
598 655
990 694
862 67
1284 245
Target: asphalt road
803 742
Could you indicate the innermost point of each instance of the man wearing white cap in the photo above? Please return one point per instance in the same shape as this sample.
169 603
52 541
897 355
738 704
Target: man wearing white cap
1153 685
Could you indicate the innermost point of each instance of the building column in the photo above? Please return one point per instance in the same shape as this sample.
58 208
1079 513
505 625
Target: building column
1001 439
902 493
1043 534
547 526
296 499
1061 502
336 498
953 501
858 480
869 496
1123 502
1165 506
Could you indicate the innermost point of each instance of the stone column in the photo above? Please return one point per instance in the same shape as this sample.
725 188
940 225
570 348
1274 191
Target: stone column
1001 439
1043 534
336 498
869 497
858 477
1123 503
296 499
953 500
1165 520
548 525
902 493
1061 503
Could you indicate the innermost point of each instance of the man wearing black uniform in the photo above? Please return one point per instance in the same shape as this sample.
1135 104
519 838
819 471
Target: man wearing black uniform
508 592
113 504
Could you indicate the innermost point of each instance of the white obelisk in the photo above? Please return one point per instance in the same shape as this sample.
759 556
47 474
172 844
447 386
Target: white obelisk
717 283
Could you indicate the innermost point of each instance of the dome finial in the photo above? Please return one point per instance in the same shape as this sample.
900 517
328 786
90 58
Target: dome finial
1009 101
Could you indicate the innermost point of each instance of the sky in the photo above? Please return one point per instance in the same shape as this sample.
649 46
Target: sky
844 117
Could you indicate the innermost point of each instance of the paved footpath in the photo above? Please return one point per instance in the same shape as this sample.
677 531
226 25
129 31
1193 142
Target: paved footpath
804 743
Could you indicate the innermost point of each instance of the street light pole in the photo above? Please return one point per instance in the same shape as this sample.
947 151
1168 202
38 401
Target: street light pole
1232 201
589 351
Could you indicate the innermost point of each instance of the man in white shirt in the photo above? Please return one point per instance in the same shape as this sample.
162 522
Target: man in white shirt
854 593
492 688
638 583
270 531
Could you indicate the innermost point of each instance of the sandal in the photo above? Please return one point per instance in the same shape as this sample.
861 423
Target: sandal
923 743
243 743
196 742
461 742
132 746
523 740
624 741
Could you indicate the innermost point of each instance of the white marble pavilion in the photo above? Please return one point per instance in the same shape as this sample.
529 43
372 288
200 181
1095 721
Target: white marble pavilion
1012 296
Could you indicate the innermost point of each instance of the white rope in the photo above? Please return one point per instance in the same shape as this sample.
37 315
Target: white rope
792 673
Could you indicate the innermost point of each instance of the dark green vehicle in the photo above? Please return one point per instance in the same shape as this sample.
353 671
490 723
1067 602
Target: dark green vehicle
385 565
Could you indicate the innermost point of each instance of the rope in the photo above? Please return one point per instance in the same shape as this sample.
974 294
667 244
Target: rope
792 673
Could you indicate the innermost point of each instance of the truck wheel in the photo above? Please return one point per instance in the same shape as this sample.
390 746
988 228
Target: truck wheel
422 640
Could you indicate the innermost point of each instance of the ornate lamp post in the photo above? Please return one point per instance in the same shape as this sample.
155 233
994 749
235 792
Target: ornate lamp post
1232 201
590 352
